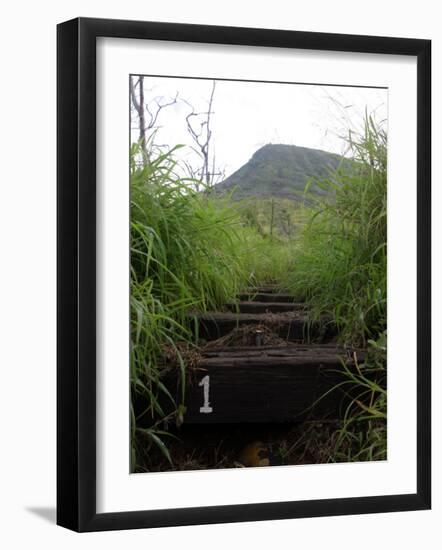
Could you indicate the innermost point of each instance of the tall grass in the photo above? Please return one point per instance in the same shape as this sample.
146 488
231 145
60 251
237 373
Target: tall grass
341 256
189 251
362 435
266 259
340 266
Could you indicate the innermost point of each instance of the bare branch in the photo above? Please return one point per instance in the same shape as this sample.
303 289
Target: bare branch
147 112
201 133
138 104
153 114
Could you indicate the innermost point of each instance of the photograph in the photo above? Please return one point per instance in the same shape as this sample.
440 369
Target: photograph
220 275
258 273
243 274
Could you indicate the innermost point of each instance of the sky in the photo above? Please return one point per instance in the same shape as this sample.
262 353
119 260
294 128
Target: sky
248 115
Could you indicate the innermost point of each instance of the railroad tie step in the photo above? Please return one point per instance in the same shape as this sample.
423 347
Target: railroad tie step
262 307
265 289
271 385
291 325
265 297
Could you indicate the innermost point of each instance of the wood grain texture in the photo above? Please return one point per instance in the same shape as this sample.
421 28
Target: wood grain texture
292 326
253 306
271 385
260 296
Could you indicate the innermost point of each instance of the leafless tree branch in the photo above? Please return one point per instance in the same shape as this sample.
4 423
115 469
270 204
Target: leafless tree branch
138 104
153 114
143 108
201 133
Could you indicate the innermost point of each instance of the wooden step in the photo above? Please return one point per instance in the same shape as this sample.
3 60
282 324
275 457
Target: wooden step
288 350
263 307
273 357
267 289
265 297
272 385
292 326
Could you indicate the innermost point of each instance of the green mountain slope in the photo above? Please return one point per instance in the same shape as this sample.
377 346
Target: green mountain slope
280 171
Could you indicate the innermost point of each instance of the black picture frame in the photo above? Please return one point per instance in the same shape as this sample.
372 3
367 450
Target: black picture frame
77 287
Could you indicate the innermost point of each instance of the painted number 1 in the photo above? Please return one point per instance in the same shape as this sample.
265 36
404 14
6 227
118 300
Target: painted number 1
205 383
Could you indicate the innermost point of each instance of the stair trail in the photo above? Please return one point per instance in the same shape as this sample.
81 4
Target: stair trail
264 360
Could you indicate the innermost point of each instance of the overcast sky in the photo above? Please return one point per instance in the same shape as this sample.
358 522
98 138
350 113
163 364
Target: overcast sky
248 115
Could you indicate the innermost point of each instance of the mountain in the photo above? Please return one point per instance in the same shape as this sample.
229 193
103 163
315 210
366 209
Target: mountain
282 171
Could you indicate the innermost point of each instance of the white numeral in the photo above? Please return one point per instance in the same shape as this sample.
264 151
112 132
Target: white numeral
205 382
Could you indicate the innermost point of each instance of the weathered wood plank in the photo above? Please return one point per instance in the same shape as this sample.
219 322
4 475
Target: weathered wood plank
314 352
292 326
263 307
266 289
272 387
265 297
